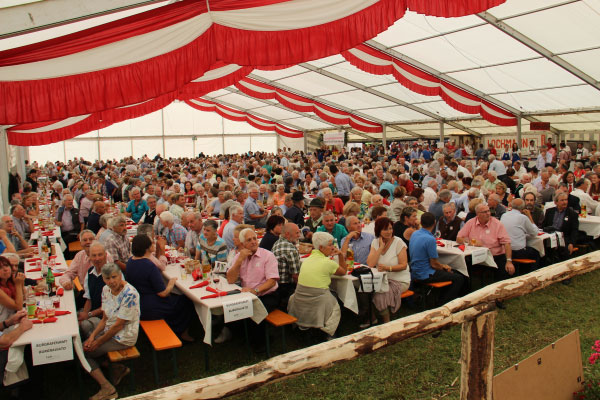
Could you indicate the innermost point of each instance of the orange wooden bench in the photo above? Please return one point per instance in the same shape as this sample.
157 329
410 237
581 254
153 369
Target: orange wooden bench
68 262
77 284
438 285
74 247
278 318
406 294
124 355
162 338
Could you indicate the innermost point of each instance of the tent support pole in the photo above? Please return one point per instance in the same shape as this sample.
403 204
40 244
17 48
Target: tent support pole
519 133
304 133
162 120
442 132
98 141
384 136
5 167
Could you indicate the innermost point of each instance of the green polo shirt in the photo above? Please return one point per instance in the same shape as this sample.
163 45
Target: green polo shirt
339 232
316 271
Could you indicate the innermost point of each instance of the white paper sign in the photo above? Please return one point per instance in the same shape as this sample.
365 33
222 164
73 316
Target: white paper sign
368 282
52 350
238 309
220 267
479 256
553 241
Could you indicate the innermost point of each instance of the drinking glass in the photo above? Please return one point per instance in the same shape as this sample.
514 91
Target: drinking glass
56 302
41 312
184 273
48 304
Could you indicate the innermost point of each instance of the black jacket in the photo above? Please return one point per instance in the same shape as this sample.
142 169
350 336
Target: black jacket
570 224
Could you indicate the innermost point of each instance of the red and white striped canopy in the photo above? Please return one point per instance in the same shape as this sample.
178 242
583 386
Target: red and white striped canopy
56 89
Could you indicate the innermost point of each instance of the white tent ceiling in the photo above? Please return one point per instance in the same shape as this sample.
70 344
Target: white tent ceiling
539 59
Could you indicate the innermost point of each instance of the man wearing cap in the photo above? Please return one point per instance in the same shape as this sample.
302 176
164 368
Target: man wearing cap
315 212
295 213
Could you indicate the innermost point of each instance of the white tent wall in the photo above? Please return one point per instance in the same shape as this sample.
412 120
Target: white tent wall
177 131
291 143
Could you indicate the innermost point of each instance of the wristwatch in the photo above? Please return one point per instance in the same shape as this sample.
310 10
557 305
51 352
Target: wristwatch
90 314
256 291
509 259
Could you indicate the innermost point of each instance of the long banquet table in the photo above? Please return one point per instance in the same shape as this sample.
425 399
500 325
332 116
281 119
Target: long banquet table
66 325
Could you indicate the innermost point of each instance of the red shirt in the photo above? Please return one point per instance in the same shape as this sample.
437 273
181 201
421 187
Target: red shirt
337 206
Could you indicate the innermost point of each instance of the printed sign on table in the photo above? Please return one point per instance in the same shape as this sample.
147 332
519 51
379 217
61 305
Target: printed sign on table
238 309
52 350
479 256
369 281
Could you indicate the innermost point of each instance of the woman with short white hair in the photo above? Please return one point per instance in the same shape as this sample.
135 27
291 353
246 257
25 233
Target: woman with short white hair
312 303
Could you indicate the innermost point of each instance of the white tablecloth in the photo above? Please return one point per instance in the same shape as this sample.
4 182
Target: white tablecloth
537 243
345 287
55 238
207 307
455 257
66 325
590 225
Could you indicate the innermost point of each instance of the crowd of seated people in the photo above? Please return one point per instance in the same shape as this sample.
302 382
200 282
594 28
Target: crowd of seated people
389 205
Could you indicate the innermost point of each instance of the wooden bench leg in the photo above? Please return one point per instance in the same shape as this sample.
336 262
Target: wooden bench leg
175 370
267 342
154 360
247 338
283 339
131 378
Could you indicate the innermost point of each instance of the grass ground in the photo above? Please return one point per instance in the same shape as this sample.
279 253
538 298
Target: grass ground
422 368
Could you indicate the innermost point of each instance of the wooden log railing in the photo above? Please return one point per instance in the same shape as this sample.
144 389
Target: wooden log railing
475 310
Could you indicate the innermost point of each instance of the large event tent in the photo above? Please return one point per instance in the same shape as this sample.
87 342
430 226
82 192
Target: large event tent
129 77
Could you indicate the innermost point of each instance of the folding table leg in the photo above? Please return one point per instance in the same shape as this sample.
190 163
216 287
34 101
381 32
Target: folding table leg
206 348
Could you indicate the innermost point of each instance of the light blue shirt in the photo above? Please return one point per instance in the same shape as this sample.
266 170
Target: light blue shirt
519 227
361 246
389 187
250 207
228 234
343 184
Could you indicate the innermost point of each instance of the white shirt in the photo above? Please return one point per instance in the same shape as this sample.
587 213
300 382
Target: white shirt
498 167
125 306
466 173
519 227
584 198
429 196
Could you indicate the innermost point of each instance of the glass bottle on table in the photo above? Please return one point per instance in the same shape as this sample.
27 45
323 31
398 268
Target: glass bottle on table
50 281
30 303
350 258
205 265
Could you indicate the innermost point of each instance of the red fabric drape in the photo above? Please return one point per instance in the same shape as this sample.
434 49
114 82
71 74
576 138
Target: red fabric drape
62 97
240 116
284 97
432 86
